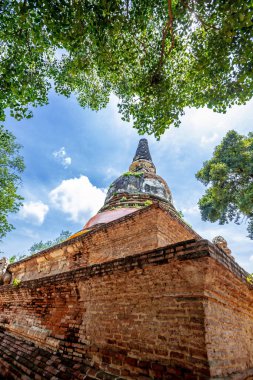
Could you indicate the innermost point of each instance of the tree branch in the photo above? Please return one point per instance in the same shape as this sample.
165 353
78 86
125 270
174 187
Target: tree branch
202 22
142 44
171 27
168 27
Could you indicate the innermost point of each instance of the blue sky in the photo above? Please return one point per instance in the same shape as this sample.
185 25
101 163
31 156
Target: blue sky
73 154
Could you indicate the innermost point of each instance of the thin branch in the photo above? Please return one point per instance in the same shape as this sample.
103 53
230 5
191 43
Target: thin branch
142 44
200 19
171 27
168 27
24 5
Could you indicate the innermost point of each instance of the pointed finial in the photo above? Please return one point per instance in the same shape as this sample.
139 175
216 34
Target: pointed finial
142 152
142 160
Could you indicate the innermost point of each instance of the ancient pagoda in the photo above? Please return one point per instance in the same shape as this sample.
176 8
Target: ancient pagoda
137 188
136 294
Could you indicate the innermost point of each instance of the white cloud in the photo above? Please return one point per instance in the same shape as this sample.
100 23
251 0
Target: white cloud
205 140
59 53
30 233
34 211
193 210
77 197
67 161
112 173
62 157
205 128
204 121
251 258
228 231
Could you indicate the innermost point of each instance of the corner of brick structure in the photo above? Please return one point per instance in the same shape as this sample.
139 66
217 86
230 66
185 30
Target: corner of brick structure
136 294
168 313
128 235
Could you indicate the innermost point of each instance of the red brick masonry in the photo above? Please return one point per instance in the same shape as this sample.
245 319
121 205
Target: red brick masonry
183 311
146 229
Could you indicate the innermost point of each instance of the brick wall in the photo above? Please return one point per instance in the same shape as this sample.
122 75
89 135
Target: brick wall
228 322
179 312
138 316
144 230
23 360
172 229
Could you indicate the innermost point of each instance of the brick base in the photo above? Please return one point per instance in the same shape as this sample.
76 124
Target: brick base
183 311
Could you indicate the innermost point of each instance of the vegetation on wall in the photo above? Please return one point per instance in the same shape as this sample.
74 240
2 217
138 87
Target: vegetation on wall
135 174
16 282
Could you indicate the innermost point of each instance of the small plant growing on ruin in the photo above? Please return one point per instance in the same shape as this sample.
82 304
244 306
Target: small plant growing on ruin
127 174
136 205
249 279
136 174
181 216
16 282
148 203
13 259
123 199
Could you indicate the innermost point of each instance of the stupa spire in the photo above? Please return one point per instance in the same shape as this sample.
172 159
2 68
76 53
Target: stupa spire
142 160
142 152
137 188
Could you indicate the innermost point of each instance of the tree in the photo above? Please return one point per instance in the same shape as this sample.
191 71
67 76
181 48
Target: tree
229 175
157 56
11 165
15 258
36 247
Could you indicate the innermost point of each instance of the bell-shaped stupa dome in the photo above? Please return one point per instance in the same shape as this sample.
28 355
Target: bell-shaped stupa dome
139 184
137 188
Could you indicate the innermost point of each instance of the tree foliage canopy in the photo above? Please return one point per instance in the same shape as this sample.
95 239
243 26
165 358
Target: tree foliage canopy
157 56
37 247
229 174
11 165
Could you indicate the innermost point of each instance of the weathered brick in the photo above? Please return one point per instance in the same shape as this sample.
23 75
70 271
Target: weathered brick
180 312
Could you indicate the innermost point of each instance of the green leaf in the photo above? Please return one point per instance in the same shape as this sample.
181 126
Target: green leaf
11 165
126 49
229 175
